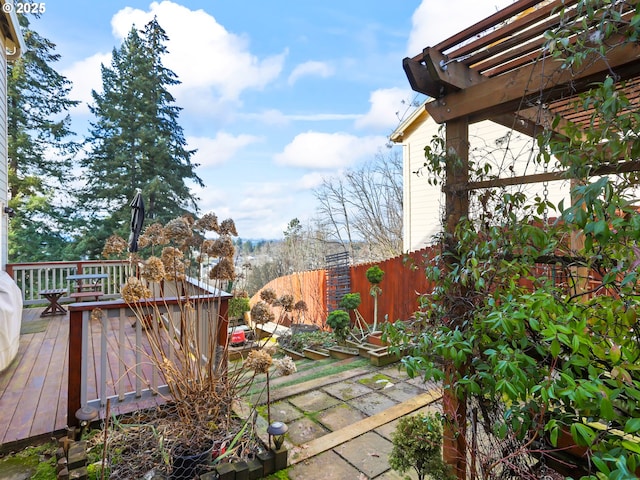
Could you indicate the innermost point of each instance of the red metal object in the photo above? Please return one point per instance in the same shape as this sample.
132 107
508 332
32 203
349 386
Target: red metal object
237 337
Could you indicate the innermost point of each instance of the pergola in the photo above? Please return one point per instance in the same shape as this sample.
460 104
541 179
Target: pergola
502 69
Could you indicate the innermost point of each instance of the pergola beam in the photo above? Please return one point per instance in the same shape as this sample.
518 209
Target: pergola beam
624 167
530 85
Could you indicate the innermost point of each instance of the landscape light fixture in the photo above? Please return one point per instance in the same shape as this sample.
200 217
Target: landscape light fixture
85 416
277 430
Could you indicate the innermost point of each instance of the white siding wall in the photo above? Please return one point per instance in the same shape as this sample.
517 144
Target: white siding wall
424 203
4 221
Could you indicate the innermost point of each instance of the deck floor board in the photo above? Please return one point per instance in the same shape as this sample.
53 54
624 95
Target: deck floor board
33 388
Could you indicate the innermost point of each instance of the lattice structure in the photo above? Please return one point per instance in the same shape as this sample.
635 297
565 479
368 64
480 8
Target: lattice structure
338 278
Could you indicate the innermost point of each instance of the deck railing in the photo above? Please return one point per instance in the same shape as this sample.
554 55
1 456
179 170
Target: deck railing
123 349
31 278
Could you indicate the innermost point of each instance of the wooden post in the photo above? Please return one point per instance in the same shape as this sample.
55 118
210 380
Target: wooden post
580 273
74 384
457 207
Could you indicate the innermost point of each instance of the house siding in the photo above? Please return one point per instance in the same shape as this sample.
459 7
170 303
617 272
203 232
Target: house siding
424 203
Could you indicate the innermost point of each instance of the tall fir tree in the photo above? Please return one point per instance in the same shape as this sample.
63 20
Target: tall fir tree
136 141
40 151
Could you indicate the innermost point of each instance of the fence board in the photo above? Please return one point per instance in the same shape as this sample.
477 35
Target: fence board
403 282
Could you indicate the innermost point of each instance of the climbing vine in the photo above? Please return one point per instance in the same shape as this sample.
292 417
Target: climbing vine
536 305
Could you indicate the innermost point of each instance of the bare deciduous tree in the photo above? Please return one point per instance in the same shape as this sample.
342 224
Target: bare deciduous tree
365 205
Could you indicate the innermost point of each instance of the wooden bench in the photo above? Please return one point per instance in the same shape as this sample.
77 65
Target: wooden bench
81 295
53 296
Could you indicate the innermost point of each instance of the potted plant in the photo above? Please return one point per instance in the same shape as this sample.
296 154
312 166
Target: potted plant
417 444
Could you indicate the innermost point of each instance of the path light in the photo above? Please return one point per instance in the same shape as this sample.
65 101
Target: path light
85 416
277 430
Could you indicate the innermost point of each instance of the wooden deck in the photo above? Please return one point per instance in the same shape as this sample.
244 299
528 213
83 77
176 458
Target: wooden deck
33 389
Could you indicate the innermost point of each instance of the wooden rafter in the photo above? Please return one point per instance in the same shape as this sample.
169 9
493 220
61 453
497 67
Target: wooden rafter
542 82
482 72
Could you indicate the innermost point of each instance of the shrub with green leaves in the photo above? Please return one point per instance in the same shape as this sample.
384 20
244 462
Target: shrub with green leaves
374 275
533 323
350 301
313 340
237 306
338 320
417 444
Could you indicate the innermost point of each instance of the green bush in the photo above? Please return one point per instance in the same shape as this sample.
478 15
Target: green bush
338 320
375 274
313 340
417 443
237 306
350 301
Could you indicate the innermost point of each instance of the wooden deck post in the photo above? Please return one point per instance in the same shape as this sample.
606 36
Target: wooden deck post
74 385
457 207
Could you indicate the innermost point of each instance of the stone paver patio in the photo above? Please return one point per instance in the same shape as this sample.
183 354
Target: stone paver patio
341 427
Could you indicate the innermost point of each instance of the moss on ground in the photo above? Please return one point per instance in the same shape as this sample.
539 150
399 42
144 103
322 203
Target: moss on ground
38 462
377 381
279 475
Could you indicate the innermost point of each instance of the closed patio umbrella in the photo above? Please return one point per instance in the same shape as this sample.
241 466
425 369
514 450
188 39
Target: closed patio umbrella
137 219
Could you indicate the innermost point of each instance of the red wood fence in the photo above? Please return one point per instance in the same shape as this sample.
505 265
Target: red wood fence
404 280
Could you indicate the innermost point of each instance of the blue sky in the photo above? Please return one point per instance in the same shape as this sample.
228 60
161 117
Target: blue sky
275 94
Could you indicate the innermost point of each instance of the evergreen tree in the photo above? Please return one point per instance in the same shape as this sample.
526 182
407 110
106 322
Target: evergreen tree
40 151
136 141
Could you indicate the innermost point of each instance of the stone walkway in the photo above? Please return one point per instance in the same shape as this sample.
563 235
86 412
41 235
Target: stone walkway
340 426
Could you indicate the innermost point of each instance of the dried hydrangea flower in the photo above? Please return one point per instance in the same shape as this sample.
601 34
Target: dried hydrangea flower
222 247
207 247
153 270
178 230
97 315
223 270
268 295
270 348
208 223
228 227
285 366
300 306
258 361
174 267
134 290
194 242
187 217
286 302
115 245
261 313
153 235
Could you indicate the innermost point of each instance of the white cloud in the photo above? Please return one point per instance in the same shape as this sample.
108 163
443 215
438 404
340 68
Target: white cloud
202 52
328 150
276 117
268 117
385 105
215 151
436 21
311 68
310 180
86 76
